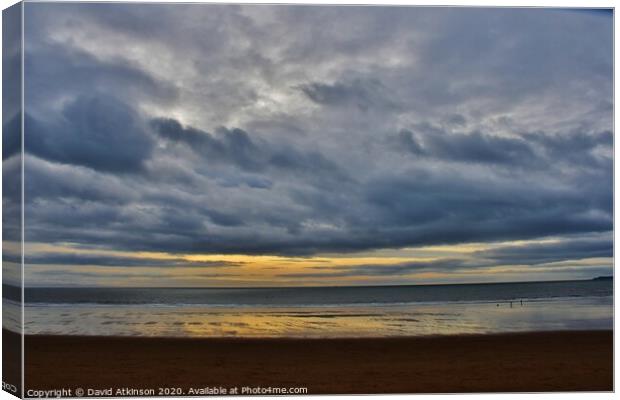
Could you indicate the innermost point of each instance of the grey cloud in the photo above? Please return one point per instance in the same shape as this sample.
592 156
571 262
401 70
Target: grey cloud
97 131
532 254
12 137
57 72
229 145
235 146
114 261
11 66
461 206
387 211
533 150
535 254
47 180
251 181
364 94
574 147
474 147
572 142
407 140
497 68
12 199
456 120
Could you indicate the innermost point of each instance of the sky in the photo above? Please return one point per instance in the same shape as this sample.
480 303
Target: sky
227 145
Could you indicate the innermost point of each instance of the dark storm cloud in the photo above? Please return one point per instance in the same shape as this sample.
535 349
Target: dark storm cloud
524 150
235 146
95 131
414 208
474 147
454 207
400 228
232 145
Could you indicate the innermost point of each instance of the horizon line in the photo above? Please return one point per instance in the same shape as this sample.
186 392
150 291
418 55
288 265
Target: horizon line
308 287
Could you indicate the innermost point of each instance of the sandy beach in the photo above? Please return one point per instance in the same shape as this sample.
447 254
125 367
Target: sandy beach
531 362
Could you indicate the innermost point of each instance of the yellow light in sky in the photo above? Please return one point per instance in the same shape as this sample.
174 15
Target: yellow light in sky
273 270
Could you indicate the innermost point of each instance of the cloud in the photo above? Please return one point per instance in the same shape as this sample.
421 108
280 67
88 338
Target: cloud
12 199
236 147
57 72
12 137
530 255
363 94
474 147
115 261
521 149
96 131
575 147
61 277
233 145
11 67
533 254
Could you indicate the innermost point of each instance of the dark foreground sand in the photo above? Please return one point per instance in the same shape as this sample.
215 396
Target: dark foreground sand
540 361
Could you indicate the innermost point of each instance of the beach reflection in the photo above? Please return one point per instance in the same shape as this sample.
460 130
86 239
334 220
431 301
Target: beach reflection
353 321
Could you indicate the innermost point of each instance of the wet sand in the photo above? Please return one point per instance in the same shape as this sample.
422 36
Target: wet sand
531 362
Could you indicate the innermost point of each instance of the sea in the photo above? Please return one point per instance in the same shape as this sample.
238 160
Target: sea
313 312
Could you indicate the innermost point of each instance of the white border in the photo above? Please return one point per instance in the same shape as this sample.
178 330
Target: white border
477 3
